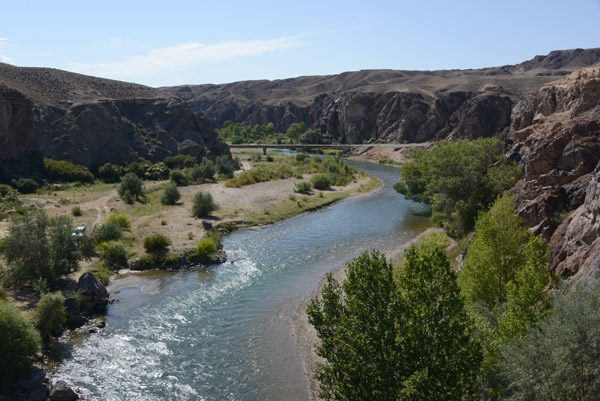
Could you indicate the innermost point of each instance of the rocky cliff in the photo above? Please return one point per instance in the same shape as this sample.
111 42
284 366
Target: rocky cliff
91 121
556 140
387 105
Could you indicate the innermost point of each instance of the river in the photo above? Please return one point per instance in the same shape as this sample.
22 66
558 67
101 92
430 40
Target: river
224 333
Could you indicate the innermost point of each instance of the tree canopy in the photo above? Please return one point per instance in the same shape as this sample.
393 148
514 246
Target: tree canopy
388 340
457 179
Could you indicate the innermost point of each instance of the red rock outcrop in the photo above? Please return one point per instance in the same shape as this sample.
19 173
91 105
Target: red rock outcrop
557 143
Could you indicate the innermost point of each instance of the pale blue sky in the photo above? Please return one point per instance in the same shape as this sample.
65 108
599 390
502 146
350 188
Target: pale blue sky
193 42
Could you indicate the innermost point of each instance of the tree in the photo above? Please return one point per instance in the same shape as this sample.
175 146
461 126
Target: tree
131 187
558 360
500 248
170 194
457 179
33 254
113 254
50 315
64 252
203 204
19 344
388 340
437 343
26 248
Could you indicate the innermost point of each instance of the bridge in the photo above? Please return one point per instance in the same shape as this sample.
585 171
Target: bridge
344 147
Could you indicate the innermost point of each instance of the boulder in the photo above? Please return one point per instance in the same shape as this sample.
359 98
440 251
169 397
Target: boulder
75 320
91 287
61 391
72 305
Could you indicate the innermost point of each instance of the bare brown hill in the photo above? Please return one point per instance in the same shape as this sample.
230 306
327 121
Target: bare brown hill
91 121
387 105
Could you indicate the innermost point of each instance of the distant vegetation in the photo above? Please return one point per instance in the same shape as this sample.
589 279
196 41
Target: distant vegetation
237 133
334 170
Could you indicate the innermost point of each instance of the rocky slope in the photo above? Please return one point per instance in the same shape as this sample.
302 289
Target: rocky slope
91 121
556 136
387 105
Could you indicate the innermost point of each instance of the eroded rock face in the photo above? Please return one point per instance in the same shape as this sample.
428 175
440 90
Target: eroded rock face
556 138
16 123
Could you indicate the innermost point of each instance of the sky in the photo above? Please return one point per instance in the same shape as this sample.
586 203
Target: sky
164 43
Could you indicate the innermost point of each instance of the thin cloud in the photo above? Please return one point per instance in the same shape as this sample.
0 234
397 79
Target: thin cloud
183 57
4 58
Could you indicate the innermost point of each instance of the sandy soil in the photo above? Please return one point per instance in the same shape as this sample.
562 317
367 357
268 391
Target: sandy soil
304 332
373 154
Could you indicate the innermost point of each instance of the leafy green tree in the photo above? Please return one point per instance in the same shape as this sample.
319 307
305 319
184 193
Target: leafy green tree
203 204
170 194
19 344
40 249
131 187
50 315
457 179
64 251
437 342
26 248
295 130
558 360
500 248
388 340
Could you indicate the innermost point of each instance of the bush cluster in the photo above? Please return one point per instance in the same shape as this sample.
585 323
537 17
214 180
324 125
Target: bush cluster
303 187
113 254
170 194
203 204
131 188
156 243
66 171
50 315
19 345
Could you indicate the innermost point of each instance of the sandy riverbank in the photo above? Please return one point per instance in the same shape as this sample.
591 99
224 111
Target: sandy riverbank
304 332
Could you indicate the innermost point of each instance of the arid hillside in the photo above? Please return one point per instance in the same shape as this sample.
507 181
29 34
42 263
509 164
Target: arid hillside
387 105
91 121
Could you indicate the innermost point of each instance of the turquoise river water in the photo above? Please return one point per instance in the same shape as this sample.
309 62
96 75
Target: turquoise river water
225 333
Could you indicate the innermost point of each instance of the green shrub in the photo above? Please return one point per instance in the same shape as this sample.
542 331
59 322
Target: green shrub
50 314
5 190
224 166
76 211
109 231
26 185
113 254
157 171
109 173
303 188
557 360
156 243
205 250
203 204
170 194
19 344
179 178
320 181
204 171
269 158
63 170
131 187
300 157
120 220
180 161
103 273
